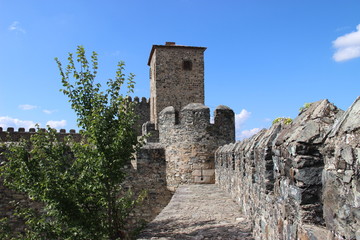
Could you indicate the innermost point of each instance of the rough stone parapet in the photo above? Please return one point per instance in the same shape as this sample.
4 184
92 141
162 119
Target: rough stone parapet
10 135
142 109
341 175
224 123
190 141
293 180
148 129
148 173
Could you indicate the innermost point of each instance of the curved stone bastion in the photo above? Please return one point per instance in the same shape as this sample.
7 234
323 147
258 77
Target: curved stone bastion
190 141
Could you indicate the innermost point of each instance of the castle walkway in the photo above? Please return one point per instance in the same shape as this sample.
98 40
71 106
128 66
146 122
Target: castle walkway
199 212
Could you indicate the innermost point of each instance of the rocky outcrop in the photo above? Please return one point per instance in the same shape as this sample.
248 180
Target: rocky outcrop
298 180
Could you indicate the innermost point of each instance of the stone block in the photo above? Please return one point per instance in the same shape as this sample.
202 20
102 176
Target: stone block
204 172
347 155
204 180
347 176
309 176
310 232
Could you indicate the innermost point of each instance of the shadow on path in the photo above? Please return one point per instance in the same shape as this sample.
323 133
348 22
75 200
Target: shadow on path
199 212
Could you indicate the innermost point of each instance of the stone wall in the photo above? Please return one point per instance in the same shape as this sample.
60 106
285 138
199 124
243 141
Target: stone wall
10 135
10 199
190 141
146 173
341 175
142 109
298 181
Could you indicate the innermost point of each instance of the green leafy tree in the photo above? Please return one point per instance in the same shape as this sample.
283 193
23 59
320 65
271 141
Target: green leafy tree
79 183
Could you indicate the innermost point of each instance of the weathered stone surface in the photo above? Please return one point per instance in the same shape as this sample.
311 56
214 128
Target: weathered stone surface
341 181
199 212
357 235
190 141
277 176
349 121
309 232
148 129
10 135
176 77
148 173
142 109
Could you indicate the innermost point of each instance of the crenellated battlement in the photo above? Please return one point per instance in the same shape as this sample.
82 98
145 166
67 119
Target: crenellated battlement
195 114
32 130
190 141
136 99
194 118
13 136
142 109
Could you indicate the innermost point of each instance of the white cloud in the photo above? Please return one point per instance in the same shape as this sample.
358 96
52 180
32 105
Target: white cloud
27 107
56 124
247 133
49 111
347 46
6 122
241 117
15 26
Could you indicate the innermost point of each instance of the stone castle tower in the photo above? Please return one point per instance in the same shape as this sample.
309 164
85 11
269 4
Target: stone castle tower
176 77
179 120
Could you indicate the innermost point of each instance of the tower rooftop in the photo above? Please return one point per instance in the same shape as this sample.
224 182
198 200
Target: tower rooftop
170 45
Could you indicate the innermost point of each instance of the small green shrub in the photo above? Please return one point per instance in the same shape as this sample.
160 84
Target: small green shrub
304 107
283 120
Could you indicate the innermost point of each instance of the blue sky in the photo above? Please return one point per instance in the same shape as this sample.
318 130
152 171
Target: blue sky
264 59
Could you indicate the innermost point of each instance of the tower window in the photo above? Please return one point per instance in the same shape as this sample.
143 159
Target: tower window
187 65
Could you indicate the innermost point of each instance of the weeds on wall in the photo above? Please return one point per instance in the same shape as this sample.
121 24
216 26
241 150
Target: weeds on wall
304 107
283 120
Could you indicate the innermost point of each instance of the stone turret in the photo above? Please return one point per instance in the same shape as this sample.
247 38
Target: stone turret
190 141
